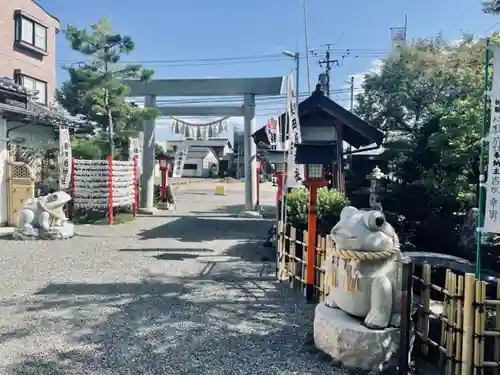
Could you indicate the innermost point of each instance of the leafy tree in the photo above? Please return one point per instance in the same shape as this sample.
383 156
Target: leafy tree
429 99
95 90
158 150
89 149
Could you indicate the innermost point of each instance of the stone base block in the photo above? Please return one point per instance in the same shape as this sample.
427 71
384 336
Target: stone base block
54 233
353 345
148 211
250 214
164 206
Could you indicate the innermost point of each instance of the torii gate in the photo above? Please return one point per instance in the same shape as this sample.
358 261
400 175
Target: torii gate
246 87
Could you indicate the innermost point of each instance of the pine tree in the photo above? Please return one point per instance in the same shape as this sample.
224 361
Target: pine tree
492 6
95 90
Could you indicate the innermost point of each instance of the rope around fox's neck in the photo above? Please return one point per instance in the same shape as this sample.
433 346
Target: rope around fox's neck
351 265
362 255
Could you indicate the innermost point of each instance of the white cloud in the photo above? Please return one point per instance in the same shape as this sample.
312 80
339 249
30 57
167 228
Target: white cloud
359 78
375 67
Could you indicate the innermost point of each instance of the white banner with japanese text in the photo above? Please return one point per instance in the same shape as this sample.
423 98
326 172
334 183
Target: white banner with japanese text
135 149
492 206
64 159
295 172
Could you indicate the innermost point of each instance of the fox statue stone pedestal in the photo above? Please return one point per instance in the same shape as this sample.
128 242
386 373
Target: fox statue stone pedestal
357 325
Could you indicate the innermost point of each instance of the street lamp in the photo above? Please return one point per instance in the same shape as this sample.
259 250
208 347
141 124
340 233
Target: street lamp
296 57
290 54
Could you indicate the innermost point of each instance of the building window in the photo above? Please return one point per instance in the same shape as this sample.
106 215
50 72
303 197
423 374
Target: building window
191 167
31 33
35 85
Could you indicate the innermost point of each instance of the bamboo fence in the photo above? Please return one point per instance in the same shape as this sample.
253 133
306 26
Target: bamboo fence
452 333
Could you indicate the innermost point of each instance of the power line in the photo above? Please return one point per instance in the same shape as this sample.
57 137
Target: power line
373 53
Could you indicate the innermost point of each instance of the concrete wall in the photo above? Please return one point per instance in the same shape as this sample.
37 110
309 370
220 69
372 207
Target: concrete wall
41 66
3 172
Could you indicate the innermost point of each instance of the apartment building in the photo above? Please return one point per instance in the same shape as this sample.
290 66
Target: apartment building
27 47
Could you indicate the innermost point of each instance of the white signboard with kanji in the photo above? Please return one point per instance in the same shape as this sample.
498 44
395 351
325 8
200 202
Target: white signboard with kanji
492 206
295 172
64 159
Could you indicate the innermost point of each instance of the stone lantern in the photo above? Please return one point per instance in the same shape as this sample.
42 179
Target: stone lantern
317 149
376 179
165 167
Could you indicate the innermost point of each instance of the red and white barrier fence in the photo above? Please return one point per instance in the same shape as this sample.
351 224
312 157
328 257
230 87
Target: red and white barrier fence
104 184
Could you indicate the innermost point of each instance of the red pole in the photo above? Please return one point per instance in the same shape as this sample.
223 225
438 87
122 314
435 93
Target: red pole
311 242
164 185
135 186
110 188
258 185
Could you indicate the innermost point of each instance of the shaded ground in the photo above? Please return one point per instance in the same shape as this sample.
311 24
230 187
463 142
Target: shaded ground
186 293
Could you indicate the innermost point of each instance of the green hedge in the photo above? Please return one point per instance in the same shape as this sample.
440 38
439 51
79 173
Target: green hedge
329 205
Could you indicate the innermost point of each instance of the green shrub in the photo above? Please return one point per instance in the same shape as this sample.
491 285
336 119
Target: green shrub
329 205
297 201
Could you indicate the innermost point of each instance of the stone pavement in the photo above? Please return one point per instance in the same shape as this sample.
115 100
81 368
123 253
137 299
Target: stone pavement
185 293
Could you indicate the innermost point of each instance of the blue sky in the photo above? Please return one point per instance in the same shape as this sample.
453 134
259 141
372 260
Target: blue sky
197 29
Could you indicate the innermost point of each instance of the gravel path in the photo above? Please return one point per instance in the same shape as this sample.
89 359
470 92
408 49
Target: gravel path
182 294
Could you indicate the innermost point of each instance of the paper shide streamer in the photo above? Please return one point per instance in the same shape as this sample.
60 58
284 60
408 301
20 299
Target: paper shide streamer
200 131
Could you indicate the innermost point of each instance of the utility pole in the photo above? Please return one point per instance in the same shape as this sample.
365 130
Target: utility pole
352 94
328 68
304 10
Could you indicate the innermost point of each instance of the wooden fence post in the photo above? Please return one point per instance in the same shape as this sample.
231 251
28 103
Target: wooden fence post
444 318
479 323
459 330
425 299
293 264
468 323
321 267
450 326
405 327
328 280
496 356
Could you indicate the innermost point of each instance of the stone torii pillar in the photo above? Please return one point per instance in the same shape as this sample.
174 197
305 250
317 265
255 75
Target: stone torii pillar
250 152
148 160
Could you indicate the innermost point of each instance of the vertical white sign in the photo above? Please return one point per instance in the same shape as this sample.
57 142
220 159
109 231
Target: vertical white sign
492 206
273 134
135 149
398 37
295 172
64 159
